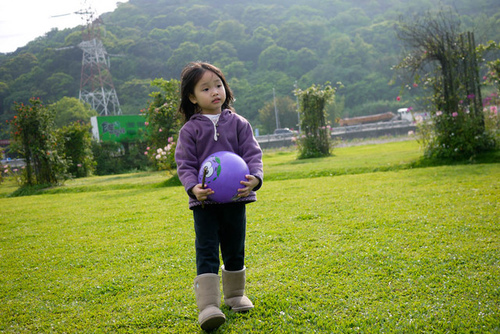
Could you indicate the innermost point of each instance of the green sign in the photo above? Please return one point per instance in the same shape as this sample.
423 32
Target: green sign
118 128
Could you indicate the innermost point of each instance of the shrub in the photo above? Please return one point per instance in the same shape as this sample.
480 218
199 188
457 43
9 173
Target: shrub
76 143
315 140
162 123
116 158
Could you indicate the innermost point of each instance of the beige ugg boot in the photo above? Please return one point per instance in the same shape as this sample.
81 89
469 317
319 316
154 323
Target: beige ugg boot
233 284
207 291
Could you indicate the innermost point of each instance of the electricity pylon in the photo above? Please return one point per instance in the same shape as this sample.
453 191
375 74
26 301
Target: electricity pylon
96 83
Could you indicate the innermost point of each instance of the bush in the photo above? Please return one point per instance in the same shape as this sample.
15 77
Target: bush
116 158
76 143
162 124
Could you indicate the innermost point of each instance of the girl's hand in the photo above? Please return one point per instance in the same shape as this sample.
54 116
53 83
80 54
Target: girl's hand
201 193
249 185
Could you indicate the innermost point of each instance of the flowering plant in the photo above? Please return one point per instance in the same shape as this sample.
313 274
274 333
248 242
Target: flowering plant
162 124
457 134
491 116
9 172
163 157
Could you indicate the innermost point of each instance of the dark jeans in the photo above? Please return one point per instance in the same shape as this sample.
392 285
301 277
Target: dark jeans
224 225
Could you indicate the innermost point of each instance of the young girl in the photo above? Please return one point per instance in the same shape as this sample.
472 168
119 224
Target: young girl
211 126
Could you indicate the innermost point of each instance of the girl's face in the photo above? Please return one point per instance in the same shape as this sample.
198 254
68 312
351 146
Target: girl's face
209 94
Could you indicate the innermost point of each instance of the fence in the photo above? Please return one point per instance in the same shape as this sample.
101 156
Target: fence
373 130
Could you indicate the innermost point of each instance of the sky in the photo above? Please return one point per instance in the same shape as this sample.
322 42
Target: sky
21 21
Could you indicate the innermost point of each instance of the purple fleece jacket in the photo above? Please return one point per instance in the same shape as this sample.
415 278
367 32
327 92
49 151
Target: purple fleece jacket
199 138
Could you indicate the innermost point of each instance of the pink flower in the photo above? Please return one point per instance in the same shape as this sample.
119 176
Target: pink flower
455 114
494 109
415 85
146 123
170 139
160 130
398 98
439 113
146 153
6 171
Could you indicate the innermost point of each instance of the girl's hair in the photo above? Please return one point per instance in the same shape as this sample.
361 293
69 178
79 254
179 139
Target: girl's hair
190 76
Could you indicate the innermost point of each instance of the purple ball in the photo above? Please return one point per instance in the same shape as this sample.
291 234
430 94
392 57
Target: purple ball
225 170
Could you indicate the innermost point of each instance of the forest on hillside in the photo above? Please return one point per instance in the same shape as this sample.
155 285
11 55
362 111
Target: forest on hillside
260 45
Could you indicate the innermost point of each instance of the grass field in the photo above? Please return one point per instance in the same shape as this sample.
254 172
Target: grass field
360 242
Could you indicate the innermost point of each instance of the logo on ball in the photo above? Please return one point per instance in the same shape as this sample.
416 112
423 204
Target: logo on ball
225 171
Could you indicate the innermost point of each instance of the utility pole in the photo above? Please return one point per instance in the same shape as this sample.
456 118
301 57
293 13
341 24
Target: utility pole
276 111
297 98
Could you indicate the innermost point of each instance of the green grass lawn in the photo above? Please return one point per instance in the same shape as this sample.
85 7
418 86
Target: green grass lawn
359 242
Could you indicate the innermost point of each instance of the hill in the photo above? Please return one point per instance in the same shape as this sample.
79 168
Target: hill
260 45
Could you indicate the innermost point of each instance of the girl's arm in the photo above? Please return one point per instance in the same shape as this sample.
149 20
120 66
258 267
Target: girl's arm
249 150
187 162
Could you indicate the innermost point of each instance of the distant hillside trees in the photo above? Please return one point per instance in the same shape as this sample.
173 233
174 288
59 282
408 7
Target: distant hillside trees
259 45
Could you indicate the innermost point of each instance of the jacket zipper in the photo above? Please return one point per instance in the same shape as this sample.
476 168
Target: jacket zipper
216 133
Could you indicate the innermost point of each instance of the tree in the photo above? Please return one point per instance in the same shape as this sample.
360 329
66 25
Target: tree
274 58
220 53
287 114
75 142
186 52
59 85
18 66
302 61
231 31
316 139
295 34
34 140
134 94
250 49
444 59
69 109
4 92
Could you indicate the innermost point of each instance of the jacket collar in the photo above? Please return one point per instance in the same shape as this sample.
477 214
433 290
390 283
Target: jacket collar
224 113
